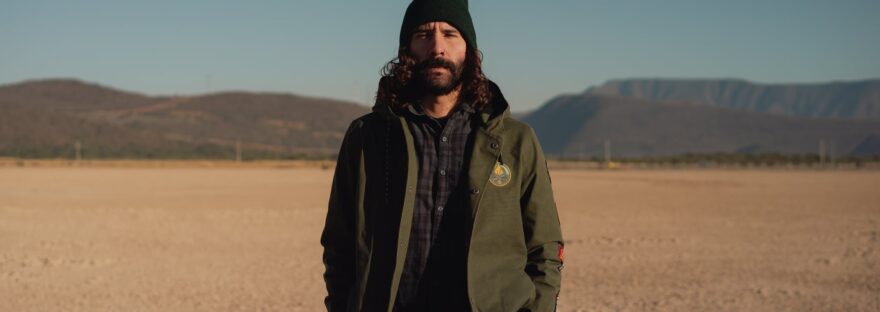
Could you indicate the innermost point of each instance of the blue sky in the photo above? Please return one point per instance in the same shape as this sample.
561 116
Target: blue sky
533 49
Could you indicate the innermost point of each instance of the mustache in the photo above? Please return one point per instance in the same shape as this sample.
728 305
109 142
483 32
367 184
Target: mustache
436 62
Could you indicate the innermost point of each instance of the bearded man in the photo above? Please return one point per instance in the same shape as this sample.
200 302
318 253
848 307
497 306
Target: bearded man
440 201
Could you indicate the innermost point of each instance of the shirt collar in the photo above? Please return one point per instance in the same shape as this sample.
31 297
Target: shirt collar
417 109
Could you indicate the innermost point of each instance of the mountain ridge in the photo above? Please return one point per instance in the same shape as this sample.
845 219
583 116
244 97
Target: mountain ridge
42 118
858 99
578 126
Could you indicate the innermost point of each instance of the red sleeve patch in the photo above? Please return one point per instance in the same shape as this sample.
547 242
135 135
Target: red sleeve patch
561 253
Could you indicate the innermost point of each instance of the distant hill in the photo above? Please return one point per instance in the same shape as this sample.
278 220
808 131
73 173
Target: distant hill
851 100
578 125
44 118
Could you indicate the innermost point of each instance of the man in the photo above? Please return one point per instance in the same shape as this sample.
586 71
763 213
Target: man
440 201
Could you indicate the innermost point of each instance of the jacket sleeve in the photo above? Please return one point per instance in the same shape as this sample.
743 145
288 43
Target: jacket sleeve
542 232
338 237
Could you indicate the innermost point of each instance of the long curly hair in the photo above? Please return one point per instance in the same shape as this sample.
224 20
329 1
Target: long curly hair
397 88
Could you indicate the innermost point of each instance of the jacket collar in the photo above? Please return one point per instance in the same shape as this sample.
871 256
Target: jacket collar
491 116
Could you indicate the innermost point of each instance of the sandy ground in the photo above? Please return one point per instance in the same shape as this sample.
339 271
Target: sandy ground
162 239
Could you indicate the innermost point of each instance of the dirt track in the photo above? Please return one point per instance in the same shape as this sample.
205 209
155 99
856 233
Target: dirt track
105 239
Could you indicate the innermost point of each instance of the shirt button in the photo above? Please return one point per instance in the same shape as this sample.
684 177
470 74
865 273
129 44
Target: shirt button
494 145
440 209
442 172
444 139
475 191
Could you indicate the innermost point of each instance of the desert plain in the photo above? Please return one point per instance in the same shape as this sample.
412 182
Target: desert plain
247 239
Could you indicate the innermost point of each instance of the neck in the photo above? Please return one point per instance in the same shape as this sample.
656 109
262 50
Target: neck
439 106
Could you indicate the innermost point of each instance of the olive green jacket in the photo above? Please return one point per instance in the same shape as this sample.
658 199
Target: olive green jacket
515 249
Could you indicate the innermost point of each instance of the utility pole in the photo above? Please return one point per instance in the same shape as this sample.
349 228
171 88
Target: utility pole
607 153
78 147
238 151
322 153
582 151
831 156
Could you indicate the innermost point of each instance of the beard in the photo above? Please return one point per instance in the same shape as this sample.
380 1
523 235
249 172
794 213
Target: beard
434 83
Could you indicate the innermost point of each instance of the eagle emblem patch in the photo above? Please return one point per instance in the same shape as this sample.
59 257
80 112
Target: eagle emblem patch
500 175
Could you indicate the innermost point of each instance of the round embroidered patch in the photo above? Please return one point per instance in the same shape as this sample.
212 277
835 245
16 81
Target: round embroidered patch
500 175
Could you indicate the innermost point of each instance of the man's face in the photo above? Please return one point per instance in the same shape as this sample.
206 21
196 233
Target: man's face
440 52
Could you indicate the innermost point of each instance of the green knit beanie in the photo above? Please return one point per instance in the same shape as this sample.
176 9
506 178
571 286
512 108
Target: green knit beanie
454 12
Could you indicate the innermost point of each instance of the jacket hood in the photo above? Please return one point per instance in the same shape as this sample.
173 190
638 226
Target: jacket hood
491 115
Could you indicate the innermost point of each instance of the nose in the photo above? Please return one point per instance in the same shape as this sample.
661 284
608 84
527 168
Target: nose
438 47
